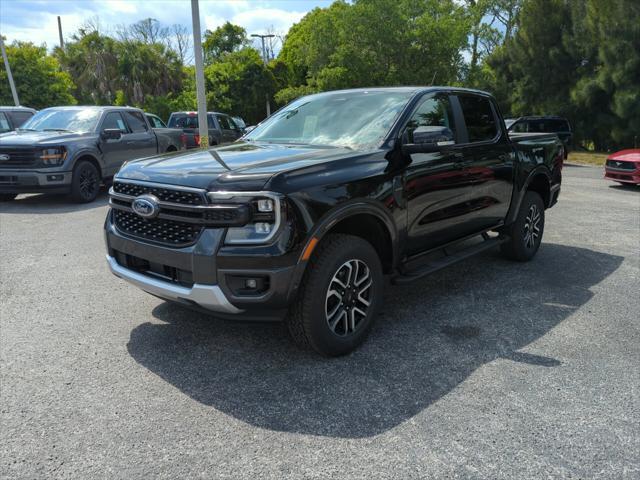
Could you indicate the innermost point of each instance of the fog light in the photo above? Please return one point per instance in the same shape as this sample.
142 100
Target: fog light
262 227
265 205
251 283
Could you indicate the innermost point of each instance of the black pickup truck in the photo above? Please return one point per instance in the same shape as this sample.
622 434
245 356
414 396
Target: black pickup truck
302 218
72 149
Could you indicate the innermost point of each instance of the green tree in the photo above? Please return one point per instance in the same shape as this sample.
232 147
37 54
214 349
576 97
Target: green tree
38 78
238 83
225 39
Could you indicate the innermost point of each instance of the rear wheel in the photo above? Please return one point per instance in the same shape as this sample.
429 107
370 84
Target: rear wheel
526 232
339 297
7 197
85 183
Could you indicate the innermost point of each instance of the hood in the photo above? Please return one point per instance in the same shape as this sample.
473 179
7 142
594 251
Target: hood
29 139
629 155
242 165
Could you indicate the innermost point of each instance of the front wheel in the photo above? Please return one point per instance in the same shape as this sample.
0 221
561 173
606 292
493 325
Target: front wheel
339 297
7 197
525 234
85 183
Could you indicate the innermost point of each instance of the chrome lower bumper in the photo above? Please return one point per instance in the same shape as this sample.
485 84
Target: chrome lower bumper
210 297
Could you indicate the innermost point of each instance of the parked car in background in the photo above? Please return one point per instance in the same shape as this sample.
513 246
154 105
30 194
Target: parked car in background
222 128
73 149
543 124
13 117
623 166
177 136
301 218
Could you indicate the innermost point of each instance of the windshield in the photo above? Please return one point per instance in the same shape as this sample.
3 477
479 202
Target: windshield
73 120
357 120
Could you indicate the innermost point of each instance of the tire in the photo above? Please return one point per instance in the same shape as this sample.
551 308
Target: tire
526 232
7 197
336 323
85 184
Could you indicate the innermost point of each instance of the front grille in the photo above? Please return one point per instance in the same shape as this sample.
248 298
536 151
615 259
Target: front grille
18 157
167 232
163 194
618 165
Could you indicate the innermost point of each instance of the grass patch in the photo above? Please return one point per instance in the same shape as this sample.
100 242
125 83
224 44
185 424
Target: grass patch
588 158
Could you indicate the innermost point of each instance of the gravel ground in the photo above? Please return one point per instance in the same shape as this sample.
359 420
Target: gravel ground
489 369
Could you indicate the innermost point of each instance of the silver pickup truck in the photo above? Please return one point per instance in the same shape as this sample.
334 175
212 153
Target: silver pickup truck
73 149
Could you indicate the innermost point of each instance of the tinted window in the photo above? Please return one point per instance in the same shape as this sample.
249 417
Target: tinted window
433 112
548 125
224 122
20 117
520 127
4 123
114 120
479 118
136 121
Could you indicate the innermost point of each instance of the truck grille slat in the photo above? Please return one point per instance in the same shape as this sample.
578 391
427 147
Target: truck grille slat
164 194
18 157
158 230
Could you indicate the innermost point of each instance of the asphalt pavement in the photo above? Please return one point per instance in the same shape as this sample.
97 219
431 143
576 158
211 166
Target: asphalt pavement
490 369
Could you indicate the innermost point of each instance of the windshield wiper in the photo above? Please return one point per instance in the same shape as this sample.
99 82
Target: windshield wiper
56 130
26 130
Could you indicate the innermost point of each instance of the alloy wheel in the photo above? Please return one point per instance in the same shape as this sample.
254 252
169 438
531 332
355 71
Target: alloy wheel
348 297
532 226
88 181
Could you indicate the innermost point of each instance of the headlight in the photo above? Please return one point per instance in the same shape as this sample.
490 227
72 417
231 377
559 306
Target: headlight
266 216
53 156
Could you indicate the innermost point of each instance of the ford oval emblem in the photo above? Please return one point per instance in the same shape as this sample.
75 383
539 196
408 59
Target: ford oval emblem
146 206
4 157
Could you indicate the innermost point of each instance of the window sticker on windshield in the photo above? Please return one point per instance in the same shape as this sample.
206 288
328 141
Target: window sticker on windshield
310 124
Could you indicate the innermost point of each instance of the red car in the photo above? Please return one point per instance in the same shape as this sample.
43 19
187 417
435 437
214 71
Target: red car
623 166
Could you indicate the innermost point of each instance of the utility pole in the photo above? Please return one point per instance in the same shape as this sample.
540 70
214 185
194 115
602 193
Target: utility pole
203 126
8 68
60 32
264 58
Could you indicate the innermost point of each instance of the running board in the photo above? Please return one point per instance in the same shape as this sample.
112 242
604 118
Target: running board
448 260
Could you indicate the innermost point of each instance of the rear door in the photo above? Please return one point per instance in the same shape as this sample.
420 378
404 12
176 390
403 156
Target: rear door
141 141
488 163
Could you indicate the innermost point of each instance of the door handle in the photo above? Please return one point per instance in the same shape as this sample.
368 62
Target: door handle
458 157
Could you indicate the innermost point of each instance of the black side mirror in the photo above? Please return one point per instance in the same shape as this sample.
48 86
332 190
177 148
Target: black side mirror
111 134
427 139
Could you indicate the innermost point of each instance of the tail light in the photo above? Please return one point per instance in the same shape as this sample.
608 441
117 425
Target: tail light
196 137
183 140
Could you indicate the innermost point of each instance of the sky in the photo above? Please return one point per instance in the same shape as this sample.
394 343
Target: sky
36 20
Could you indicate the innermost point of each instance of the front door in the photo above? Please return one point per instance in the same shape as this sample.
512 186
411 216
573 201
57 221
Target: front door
141 140
436 184
114 151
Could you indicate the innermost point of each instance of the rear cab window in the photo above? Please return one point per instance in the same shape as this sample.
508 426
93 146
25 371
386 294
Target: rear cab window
136 121
479 118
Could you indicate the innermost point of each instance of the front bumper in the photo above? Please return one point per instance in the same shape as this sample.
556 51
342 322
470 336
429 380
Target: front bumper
209 297
34 181
622 175
202 275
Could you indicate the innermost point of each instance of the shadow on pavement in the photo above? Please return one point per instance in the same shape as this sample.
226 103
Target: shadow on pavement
429 338
51 203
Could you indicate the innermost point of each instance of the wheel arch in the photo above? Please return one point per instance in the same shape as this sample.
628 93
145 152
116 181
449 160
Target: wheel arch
88 157
538 180
364 219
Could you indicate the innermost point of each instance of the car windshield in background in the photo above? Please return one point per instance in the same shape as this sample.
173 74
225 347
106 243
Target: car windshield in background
357 120
73 120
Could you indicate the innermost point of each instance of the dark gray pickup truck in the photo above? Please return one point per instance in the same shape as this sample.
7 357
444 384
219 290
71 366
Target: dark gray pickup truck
73 149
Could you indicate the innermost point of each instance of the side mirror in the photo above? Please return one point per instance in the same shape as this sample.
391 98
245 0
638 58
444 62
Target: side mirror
427 139
111 134
249 128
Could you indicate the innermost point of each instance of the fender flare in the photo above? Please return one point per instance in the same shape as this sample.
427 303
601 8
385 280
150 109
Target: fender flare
88 153
329 220
518 195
